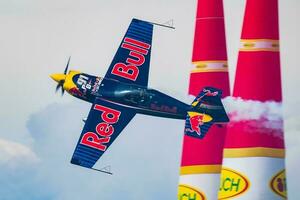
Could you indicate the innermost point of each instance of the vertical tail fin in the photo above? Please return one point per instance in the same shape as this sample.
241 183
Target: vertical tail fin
206 110
208 95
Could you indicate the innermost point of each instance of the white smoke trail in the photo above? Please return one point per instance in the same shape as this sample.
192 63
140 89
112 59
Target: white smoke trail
240 109
260 115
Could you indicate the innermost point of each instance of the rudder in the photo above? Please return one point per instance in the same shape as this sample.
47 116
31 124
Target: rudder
206 110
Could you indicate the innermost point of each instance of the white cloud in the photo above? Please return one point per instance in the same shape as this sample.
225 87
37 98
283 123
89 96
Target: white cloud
145 161
19 180
13 154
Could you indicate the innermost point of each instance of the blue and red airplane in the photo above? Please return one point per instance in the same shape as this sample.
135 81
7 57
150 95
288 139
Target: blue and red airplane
123 93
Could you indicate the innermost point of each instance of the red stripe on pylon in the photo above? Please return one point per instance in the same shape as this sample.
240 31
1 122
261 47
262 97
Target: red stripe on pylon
261 20
246 134
210 8
206 151
258 76
214 79
210 41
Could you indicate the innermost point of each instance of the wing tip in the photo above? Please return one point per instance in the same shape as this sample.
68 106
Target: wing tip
75 161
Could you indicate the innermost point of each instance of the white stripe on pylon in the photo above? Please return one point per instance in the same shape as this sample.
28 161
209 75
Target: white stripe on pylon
259 45
210 66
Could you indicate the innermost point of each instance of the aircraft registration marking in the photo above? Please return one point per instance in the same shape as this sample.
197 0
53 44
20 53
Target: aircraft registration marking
82 81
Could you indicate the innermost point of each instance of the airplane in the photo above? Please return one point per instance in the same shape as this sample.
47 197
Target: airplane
123 92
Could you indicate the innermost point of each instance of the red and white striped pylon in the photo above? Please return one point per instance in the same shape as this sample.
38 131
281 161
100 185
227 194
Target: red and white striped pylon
253 164
201 159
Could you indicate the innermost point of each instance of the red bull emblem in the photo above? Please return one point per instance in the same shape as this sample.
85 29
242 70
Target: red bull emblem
196 120
138 50
205 92
209 93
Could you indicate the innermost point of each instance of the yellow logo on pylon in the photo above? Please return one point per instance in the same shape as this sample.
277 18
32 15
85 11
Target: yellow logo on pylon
232 184
186 192
278 184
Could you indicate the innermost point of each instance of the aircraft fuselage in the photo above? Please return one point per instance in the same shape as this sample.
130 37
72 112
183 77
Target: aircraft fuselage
143 100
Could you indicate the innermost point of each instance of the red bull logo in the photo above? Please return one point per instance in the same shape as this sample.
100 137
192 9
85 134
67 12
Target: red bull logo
104 129
210 93
196 120
205 92
138 50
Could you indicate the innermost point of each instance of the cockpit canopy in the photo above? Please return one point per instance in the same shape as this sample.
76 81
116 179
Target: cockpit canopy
134 94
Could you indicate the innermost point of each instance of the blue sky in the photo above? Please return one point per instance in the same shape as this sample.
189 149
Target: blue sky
39 129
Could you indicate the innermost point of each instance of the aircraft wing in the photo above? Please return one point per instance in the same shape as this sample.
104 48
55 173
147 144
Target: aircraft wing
132 60
104 124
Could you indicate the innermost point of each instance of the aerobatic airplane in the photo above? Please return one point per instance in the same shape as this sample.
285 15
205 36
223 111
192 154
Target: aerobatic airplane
123 92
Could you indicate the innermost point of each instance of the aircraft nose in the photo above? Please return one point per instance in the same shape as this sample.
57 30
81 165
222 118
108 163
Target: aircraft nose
58 77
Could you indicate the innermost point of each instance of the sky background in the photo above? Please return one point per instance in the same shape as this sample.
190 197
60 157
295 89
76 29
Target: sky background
39 129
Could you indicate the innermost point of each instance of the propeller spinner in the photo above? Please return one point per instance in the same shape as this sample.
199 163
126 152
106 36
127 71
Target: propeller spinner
60 78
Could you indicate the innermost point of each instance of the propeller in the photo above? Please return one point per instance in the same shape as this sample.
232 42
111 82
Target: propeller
61 82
